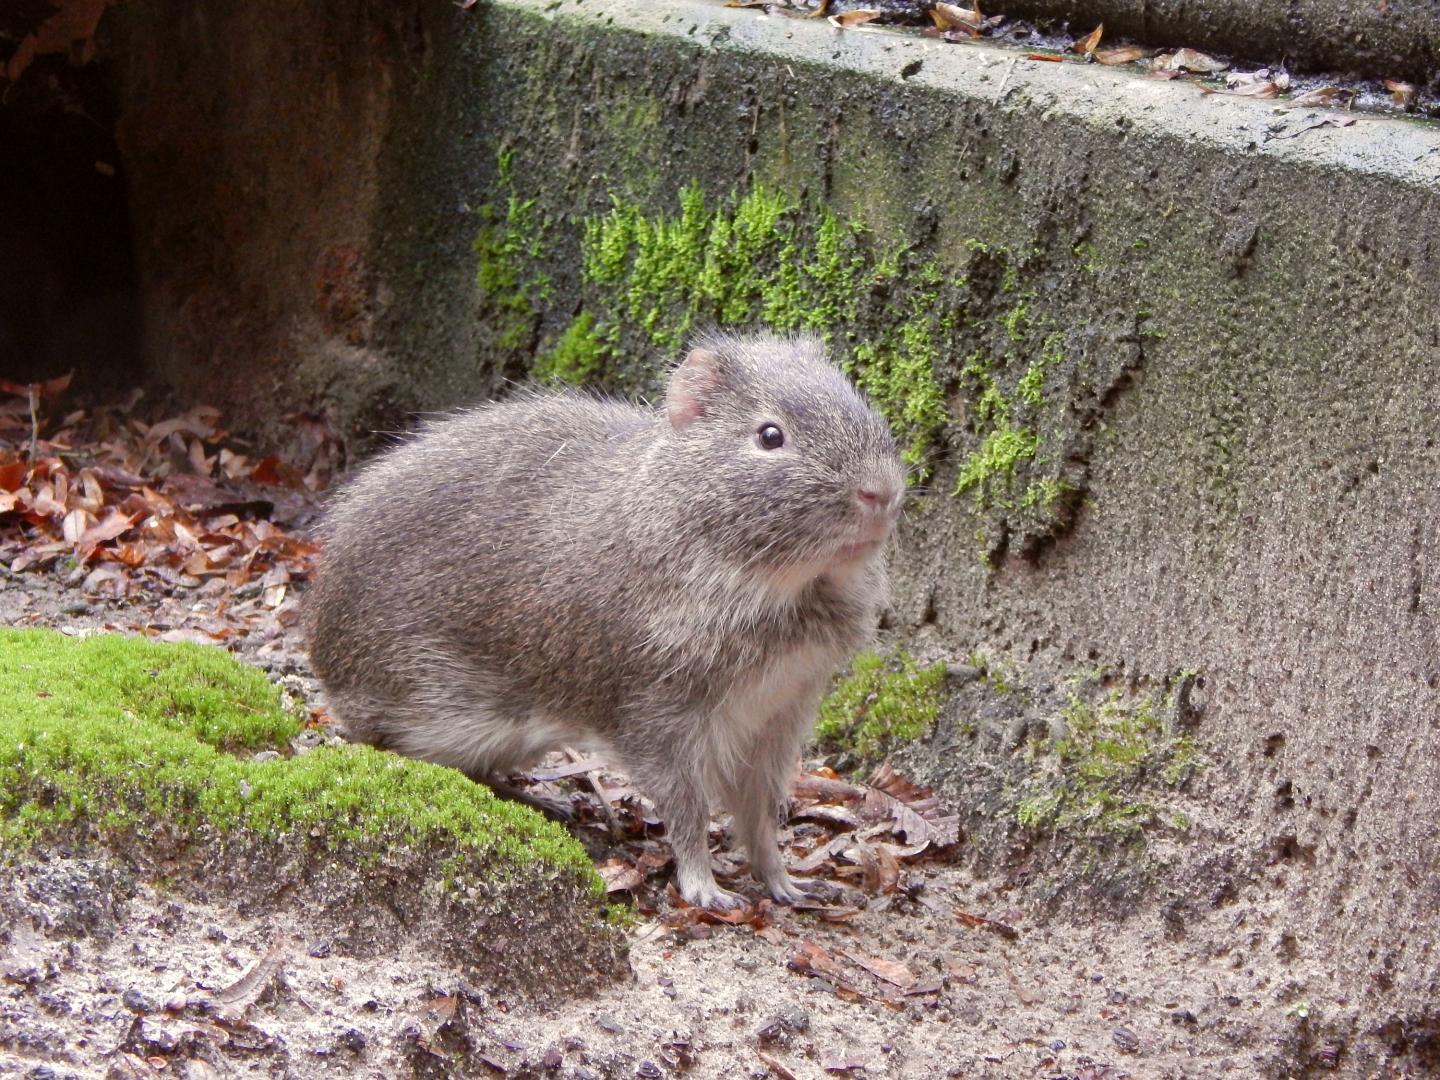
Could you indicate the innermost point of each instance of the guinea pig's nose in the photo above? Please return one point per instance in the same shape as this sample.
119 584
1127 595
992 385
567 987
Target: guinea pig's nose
877 498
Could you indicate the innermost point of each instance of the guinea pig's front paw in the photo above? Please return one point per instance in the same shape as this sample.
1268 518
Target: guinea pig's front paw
713 898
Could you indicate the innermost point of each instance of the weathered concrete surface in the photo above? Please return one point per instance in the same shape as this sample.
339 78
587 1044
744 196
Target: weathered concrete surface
1237 420
1399 39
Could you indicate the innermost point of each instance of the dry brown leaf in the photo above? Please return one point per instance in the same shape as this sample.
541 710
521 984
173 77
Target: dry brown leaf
837 817
50 387
620 876
198 421
1086 46
822 788
810 959
434 1015
856 17
573 768
1045 56
1009 933
232 1002
12 474
1240 82
913 811
895 973
881 869
1193 60
1327 97
823 854
775 1066
105 530
1247 89
1402 93
75 524
1121 54
954 17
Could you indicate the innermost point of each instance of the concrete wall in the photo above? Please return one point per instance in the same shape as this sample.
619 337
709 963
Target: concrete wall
1229 463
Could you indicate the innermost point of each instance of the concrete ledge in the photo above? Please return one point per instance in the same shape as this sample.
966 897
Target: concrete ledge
1395 40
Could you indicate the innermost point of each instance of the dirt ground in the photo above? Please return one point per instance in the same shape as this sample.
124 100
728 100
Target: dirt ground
106 976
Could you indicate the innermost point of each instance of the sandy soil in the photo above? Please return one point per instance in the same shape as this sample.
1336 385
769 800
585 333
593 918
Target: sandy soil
101 975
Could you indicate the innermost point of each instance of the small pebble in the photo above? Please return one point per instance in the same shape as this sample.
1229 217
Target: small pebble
1126 1041
353 1039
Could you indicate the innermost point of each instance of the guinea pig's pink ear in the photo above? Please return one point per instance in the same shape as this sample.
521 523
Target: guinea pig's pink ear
691 387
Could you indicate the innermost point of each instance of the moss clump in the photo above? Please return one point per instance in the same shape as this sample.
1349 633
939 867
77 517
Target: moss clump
880 704
1102 778
759 258
1001 471
508 249
106 736
578 356
897 368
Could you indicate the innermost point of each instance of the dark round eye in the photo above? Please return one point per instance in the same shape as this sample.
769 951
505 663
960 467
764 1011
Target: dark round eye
770 437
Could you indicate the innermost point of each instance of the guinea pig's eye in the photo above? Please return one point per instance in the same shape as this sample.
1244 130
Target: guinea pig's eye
770 437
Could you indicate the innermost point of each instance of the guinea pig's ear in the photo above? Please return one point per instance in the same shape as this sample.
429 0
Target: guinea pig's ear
692 387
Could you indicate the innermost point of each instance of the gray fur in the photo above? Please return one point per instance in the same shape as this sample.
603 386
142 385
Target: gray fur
567 569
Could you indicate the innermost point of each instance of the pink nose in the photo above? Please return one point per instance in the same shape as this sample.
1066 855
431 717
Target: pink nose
876 498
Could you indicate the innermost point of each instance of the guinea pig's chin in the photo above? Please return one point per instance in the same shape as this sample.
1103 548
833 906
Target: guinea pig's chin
855 552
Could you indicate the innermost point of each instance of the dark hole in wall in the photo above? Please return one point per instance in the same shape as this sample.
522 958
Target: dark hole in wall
69 291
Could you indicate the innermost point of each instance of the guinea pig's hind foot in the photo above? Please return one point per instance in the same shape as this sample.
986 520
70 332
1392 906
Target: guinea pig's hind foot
552 806
793 890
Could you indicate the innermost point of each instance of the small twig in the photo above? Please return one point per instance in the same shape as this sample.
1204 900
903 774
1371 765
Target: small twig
1000 92
617 831
34 421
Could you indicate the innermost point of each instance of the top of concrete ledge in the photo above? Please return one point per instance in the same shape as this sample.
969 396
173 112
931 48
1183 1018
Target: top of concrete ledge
1401 150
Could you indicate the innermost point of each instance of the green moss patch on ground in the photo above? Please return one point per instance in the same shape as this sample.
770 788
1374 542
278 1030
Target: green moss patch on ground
882 703
101 736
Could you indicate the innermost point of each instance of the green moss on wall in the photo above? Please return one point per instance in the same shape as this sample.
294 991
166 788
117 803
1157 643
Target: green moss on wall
757 258
880 704
896 315
107 735
1106 774
509 248
578 356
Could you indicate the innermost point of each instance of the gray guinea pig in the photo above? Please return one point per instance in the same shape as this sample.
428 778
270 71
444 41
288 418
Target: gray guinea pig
672 587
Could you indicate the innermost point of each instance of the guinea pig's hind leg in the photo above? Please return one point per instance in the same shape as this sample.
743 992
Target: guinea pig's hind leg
551 806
